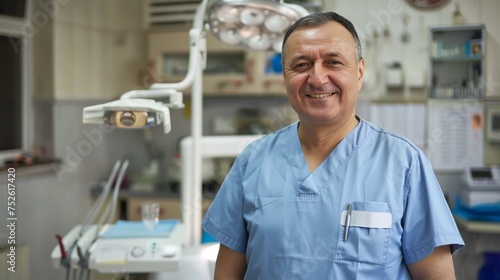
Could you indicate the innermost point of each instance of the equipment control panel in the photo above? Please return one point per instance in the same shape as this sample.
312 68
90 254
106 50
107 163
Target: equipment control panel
484 177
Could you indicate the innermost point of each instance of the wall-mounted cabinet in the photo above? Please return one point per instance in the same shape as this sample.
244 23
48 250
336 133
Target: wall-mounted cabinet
229 71
457 63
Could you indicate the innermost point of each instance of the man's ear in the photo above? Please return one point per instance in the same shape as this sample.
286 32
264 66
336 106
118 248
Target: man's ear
361 72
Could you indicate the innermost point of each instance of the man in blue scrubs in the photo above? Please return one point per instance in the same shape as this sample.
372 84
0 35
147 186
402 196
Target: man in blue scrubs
331 196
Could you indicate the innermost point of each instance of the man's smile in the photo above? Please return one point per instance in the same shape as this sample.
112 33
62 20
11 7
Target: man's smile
321 95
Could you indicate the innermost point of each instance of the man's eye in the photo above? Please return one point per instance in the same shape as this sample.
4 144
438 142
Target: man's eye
300 65
333 62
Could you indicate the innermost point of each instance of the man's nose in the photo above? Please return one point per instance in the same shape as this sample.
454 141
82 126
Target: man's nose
318 76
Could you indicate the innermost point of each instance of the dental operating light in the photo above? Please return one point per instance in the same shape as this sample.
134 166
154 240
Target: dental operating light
125 114
257 25
137 112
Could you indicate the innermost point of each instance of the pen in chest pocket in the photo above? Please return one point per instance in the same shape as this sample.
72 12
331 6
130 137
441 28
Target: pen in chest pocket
347 221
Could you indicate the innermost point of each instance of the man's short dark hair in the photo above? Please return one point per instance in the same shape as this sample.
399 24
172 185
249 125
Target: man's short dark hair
319 19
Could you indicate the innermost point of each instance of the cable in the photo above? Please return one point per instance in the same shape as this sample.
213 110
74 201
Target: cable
96 207
68 273
111 207
117 190
89 219
89 273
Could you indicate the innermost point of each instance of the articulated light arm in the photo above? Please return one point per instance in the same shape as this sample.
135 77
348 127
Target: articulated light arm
191 193
175 97
136 109
191 173
197 52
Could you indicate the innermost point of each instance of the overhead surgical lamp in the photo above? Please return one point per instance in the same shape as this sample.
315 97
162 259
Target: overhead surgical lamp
258 25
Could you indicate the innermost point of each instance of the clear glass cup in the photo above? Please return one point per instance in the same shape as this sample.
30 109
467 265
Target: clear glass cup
150 212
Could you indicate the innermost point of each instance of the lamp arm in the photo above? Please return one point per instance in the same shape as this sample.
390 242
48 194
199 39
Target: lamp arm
175 97
199 17
197 45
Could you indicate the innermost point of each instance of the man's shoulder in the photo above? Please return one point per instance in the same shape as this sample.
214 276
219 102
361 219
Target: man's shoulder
382 134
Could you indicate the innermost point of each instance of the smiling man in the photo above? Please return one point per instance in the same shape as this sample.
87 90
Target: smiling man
330 196
323 72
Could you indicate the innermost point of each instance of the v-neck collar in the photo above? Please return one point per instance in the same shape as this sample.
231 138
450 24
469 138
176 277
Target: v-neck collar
311 183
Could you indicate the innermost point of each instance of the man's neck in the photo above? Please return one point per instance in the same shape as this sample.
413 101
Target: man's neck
319 141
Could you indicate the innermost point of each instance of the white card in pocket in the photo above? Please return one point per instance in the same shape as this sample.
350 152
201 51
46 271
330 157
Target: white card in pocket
368 219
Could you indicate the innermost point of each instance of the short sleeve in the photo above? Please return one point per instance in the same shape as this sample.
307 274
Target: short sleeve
428 222
224 218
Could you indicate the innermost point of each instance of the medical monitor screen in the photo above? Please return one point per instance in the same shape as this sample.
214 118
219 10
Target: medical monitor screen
481 174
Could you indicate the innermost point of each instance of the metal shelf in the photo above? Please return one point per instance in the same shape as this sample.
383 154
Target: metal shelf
457 62
458 58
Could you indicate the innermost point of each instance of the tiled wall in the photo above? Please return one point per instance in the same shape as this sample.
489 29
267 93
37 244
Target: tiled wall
99 48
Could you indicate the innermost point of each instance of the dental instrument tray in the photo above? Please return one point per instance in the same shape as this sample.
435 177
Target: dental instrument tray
136 229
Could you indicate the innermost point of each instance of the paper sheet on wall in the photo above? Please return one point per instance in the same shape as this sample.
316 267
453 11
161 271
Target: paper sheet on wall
405 119
455 134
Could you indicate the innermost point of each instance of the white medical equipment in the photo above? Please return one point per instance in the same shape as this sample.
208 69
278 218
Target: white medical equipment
91 246
137 254
486 177
482 186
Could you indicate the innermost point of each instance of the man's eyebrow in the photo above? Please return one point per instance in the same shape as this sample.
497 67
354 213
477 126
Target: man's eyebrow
294 59
328 55
333 55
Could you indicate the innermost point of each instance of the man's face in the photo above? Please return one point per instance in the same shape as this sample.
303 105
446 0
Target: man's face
321 72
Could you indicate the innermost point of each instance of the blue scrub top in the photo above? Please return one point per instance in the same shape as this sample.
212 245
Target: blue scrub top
288 221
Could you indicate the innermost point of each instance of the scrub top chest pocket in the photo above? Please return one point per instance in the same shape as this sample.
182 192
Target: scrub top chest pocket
364 236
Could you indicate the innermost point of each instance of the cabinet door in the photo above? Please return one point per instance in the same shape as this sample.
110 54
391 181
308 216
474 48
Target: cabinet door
229 70
170 208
